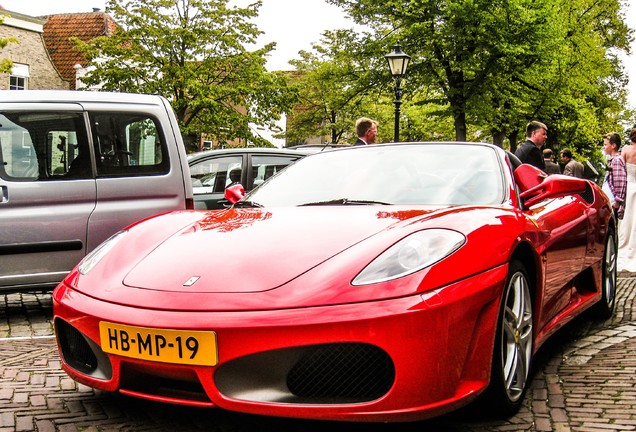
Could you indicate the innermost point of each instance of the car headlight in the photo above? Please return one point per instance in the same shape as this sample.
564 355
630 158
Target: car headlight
99 252
415 252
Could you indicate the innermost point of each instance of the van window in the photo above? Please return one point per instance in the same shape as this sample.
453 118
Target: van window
128 144
41 146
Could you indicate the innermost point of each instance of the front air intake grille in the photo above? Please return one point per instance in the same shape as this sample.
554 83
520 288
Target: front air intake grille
355 371
76 351
179 384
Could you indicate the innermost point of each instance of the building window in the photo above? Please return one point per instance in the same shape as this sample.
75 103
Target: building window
19 77
17 83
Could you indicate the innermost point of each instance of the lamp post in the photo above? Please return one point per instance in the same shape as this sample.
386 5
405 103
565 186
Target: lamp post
398 62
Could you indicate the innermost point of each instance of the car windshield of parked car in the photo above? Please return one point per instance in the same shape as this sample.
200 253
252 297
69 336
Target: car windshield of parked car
397 174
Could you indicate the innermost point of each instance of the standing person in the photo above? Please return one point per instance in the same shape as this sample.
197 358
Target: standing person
366 130
627 227
615 184
550 166
572 167
530 151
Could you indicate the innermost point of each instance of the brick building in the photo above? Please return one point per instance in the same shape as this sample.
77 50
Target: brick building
43 56
32 65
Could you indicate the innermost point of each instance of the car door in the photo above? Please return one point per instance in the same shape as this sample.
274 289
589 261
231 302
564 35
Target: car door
564 224
138 169
47 192
211 175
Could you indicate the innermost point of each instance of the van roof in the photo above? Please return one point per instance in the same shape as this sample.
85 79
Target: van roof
75 96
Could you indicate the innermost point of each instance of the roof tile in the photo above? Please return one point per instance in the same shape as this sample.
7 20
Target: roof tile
58 31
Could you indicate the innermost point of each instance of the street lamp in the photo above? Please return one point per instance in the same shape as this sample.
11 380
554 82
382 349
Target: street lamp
398 62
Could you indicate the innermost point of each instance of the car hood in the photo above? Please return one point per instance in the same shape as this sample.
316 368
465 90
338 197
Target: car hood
255 250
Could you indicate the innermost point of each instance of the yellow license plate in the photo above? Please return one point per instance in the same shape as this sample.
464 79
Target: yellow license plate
162 345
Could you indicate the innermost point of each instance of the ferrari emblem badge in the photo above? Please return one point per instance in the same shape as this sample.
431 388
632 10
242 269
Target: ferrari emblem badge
191 281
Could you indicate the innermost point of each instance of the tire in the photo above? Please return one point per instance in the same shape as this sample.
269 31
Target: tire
512 354
604 309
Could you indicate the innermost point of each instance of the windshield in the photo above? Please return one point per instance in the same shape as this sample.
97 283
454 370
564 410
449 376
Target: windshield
427 174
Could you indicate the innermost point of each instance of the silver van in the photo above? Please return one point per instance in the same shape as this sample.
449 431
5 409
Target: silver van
76 167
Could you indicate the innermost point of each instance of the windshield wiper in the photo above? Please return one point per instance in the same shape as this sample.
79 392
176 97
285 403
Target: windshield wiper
247 204
344 201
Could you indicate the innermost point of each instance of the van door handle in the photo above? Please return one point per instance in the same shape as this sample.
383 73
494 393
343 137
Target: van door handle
4 194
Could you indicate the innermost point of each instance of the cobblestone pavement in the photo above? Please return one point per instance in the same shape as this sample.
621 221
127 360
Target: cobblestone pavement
584 380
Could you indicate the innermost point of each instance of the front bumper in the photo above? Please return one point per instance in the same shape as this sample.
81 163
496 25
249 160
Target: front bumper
393 360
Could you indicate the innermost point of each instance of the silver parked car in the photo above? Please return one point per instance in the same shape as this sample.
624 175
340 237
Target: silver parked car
213 170
76 167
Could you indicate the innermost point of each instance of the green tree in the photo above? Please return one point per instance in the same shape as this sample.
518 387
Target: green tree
346 76
576 87
459 45
193 52
497 64
337 82
5 64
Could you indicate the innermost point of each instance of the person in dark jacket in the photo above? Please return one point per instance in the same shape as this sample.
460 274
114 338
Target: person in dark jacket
551 167
530 151
366 130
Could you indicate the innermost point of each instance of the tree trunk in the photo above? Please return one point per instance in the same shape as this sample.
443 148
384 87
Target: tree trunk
512 137
334 132
459 117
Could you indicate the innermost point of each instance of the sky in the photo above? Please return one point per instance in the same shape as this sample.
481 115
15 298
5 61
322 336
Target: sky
293 24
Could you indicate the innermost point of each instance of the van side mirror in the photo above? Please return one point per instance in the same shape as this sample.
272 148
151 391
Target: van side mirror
234 193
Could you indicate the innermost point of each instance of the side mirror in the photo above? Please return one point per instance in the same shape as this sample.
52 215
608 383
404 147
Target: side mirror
528 176
234 193
553 186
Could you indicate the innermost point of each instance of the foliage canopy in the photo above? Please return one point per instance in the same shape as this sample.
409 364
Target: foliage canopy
492 66
193 52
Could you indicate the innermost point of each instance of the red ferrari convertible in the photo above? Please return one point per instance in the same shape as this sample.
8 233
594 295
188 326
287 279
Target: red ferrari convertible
373 283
